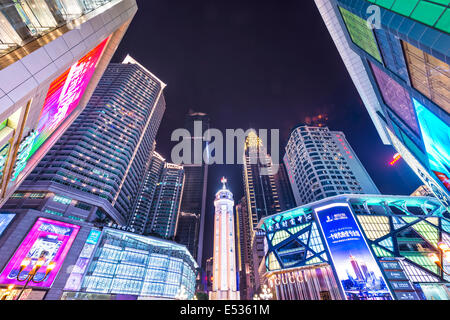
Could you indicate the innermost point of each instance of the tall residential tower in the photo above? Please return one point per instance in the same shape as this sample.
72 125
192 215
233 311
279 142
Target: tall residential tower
321 163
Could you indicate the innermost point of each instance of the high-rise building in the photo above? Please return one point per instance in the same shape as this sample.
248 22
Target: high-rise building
52 55
284 189
188 229
259 180
397 55
224 259
321 163
165 207
102 157
139 219
244 251
195 184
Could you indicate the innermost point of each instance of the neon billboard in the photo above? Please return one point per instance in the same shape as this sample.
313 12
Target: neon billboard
48 238
64 94
436 137
358 273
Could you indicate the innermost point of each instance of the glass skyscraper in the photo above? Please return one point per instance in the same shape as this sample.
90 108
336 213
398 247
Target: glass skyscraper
195 187
397 55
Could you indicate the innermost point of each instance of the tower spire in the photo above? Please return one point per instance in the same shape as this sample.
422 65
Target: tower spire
224 181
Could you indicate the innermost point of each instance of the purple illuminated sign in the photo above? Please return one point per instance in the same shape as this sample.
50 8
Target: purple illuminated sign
49 238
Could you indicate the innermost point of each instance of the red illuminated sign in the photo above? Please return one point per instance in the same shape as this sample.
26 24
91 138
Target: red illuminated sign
395 158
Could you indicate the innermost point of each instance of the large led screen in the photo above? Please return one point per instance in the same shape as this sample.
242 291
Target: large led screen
436 137
48 238
64 95
359 275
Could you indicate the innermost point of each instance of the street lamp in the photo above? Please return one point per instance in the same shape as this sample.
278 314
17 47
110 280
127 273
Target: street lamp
266 293
32 274
445 256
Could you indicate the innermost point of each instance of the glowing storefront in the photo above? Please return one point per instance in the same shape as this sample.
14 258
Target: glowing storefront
358 247
120 265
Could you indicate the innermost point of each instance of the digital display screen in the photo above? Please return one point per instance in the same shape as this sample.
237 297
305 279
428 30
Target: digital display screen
47 238
436 137
359 275
64 95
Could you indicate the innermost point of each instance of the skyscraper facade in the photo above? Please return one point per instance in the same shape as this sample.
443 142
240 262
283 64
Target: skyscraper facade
52 55
259 180
141 212
321 163
102 157
166 202
284 189
224 258
399 63
244 251
195 186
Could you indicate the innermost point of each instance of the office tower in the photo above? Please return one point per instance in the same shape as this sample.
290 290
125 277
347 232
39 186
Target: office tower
321 163
285 194
188 229
101 159
224 259
139 219
259 187
401 71
195 183
51 59
165 206
244 251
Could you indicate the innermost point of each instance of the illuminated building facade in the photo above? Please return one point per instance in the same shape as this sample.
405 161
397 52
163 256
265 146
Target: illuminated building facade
52 55
260 189
90 262
321 163
401 71
195 186
224 259
358 247
139 219
165 207
103 156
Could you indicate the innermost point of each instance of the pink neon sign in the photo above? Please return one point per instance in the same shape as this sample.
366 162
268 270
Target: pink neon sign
50 238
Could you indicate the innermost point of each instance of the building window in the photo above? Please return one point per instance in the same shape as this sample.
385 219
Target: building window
429 75
62 199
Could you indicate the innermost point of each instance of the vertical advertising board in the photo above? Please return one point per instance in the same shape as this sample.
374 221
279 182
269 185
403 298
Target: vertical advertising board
358 273
436 137
63 97
47 238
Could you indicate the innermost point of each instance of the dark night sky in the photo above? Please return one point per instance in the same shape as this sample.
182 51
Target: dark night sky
254 64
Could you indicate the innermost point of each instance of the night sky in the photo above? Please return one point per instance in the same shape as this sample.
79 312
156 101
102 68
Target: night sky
254 64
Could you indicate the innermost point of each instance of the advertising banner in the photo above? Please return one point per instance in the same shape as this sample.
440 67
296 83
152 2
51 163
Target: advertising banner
358 272
47 238
64 94
436 137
